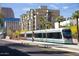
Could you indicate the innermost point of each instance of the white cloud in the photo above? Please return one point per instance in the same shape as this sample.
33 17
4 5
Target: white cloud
54 6
26 9
65 7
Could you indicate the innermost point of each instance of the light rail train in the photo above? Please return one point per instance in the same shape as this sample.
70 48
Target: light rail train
60 35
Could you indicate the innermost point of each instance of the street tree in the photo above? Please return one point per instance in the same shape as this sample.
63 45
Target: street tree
59 19
48 25
75 15
17 34
44 23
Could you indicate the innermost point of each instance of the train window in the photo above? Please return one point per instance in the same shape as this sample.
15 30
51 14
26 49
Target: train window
67 33
38 35
35 35
55 35
29 35
44 35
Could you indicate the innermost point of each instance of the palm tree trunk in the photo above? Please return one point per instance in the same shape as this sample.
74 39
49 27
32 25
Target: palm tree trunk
59 24
77 30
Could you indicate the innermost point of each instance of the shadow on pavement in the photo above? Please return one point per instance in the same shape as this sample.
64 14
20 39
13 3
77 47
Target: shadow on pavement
54 53
19 45
48 52
6 51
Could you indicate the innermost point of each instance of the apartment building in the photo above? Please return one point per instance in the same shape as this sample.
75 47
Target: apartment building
32 17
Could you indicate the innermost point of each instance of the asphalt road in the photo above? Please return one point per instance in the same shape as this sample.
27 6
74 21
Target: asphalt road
16 49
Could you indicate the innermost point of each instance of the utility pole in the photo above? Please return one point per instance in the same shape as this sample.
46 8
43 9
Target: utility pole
32 19
46 24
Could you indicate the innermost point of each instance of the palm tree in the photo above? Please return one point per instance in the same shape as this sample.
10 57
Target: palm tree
44 24
76 16
48 25
59 19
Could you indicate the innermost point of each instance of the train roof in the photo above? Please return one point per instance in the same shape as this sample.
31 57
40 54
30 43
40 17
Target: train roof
45 30
48 30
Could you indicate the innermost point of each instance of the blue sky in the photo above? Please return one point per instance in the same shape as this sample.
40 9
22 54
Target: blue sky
66 9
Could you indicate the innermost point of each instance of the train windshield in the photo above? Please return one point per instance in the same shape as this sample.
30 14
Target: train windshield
67 33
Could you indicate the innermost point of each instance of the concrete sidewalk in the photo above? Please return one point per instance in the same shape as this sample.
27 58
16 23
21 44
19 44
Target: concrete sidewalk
70 48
